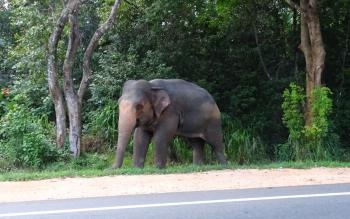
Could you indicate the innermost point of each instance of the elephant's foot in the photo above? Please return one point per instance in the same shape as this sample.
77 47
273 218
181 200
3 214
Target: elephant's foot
116 166
160 164
198 162
222 160
138 161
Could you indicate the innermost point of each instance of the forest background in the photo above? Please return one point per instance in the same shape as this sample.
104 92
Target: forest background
246 53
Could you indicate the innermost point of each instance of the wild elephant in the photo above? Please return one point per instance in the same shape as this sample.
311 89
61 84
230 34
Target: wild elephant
162 109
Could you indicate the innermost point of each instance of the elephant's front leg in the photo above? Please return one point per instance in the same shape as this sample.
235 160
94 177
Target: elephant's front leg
142 139
164 133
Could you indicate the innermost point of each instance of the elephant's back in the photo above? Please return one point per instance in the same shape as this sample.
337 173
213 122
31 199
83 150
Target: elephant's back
179 89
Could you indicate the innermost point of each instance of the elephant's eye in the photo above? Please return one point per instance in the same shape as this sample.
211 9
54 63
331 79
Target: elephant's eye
139 107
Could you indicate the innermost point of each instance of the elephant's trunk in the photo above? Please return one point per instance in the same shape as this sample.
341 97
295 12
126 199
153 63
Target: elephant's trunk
126 125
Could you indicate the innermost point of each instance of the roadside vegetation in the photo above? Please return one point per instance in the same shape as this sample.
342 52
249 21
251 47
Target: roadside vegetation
245 53
94 165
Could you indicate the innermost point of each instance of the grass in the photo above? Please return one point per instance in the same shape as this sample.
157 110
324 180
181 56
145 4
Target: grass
99 165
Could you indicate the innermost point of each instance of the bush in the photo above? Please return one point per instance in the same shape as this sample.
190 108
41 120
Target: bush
26 140
292 105
293 119
318 132
315 142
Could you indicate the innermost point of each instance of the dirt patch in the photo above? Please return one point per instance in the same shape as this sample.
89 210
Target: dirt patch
147 184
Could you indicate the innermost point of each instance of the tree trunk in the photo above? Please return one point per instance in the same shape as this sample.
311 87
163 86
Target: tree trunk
74 113
312 47
57 98
73 99
314 52
296 70
60 122
305 46
55 90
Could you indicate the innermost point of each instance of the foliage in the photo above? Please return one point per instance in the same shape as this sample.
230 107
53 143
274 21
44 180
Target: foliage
103 124
319 131
294 99
308 142
33 23
25 138
115 68
212 43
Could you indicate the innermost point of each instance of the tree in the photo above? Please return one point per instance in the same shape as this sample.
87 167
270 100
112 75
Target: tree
312 47
73 99
6 41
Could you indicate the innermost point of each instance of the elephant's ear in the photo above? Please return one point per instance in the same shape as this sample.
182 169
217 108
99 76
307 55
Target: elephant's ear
161 100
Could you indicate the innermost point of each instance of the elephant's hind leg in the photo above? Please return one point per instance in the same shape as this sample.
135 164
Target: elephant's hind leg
198 150
214 137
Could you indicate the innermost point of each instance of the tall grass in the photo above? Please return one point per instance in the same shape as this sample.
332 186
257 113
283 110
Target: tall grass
102 128
242 146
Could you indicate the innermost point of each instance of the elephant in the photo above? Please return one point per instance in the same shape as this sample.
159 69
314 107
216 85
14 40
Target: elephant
162 109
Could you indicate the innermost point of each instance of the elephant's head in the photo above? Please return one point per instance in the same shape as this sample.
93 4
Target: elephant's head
140 105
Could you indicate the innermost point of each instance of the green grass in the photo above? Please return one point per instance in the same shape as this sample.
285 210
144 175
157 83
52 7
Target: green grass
99 165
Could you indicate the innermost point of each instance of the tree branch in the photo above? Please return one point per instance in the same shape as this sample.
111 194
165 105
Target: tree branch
259 52
52 47
92 46
73 44
294 5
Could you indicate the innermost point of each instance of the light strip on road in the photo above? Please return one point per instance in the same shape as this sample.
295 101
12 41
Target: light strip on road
65 211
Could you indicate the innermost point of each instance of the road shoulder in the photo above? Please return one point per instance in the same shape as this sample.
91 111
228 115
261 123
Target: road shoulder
65 188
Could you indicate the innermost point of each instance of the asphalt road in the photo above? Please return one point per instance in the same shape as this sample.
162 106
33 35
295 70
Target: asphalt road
322 201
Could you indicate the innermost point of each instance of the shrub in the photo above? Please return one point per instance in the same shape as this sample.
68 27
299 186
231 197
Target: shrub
308 142
293 119
26 140
318 132
292 105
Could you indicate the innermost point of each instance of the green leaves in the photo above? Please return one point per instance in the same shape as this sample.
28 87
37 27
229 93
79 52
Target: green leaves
307 142
294 99
26 139
321 109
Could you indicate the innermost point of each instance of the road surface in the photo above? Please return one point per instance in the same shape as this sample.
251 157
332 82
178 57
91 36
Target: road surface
321 201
